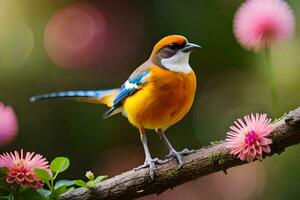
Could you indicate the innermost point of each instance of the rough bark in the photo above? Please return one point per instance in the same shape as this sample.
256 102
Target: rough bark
207 160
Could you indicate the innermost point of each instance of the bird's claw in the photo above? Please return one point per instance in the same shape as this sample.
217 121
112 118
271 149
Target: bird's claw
178 155
151 164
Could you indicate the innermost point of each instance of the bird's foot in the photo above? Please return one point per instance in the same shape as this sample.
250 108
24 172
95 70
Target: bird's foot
178 155
151 164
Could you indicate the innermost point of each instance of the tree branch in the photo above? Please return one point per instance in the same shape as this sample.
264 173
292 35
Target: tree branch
210 159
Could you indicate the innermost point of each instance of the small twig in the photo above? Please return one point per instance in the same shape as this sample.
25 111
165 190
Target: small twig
210 159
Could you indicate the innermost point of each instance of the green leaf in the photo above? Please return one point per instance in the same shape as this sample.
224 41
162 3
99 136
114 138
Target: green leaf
3 171
42 174
91 184
80 183
100 179
58 191
44 192
70 189
66 183
60 164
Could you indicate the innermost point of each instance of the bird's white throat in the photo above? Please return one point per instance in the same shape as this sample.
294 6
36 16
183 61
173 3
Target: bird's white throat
178 63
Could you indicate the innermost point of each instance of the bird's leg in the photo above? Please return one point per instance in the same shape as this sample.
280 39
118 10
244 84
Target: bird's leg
149 162
172 152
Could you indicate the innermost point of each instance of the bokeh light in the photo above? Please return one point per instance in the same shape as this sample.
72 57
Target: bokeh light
16 43
75 36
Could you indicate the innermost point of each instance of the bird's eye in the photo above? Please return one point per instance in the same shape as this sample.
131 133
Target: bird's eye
173 46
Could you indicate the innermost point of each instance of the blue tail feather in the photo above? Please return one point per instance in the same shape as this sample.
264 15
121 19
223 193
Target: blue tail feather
71 94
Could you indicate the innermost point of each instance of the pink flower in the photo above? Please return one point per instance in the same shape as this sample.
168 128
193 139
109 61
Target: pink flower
8 124
258 23
20 168
248 139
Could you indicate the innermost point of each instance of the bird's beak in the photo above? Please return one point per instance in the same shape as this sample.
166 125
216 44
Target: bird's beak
189 47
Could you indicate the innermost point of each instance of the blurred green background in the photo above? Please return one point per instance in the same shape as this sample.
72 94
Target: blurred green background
41 51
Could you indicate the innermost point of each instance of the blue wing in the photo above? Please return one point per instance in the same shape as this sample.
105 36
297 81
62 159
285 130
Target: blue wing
133 84
130 87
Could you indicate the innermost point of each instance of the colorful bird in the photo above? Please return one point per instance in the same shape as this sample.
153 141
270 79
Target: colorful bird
157 94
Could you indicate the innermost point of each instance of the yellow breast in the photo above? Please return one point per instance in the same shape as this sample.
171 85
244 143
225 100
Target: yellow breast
163 101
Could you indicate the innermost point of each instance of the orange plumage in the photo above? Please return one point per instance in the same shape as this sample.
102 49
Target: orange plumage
162 102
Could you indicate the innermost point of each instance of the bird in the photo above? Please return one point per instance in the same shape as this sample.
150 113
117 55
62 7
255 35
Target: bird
157 95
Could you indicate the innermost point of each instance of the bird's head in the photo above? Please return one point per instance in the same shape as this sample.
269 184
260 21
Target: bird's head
172 52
